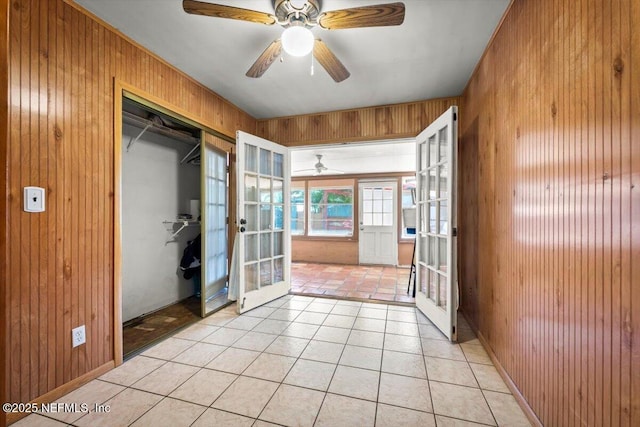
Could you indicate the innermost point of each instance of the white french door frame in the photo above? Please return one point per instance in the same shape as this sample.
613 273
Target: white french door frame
250 225
436 152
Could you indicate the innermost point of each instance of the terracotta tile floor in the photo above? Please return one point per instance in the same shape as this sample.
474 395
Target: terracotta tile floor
383 283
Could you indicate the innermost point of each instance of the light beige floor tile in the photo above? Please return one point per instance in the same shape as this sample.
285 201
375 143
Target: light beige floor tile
346 302
199 354
293 406
35 420
245 323
320 307
225 336
276 303
272 326
506 410
215 417
402 328
467 337
398 390
402 343
431 332
124 409
311 374
301 330
342 411
372 325
272 367
93 392
322 351
168 349
454 422
402 316
170 412
296 304
355 382
261 311
408 309
339 321
460 402
246 396
443 349
287 346
476 354
375 306
332 334
256 341
392 416
204 387
166 378
311 318
234 360
285 314
411 365
372 313
361 357
366 339
450 371
489 378
217 319
132 370
423 319
196 332
260 423
345 310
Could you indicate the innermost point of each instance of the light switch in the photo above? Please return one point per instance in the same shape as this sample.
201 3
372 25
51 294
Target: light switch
33 199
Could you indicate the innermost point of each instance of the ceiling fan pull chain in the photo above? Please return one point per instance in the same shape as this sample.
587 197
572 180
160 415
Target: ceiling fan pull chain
311 64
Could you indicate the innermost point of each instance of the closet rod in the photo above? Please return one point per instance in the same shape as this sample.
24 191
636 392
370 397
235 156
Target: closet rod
189 153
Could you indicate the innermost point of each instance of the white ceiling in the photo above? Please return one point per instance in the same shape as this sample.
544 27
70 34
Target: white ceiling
431 55
378 157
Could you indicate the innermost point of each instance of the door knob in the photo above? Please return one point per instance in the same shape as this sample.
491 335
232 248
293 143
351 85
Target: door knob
242 229
243 221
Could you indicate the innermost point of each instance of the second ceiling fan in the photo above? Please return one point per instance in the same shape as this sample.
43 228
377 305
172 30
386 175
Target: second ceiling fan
297 17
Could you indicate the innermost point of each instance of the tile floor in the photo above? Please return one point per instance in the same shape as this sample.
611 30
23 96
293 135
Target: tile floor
384 283
301 361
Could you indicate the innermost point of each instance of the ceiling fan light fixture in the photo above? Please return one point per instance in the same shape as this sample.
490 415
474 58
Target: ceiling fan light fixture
297 41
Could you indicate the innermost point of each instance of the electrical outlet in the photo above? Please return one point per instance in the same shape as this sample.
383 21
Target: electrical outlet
78 336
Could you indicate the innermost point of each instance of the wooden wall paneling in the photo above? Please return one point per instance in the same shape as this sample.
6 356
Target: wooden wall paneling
562 202
363 124
630 209
4 230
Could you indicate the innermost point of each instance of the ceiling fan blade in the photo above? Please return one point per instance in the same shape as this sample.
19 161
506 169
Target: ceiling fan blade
220 11
329 62
379 15
264 61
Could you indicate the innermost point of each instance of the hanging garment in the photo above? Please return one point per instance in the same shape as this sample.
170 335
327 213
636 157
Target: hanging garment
190 262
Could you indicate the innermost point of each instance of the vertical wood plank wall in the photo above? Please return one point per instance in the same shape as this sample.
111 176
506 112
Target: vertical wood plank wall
362 124
552 115
59 269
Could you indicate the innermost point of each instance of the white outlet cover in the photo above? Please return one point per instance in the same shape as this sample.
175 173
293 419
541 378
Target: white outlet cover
34 199
78 336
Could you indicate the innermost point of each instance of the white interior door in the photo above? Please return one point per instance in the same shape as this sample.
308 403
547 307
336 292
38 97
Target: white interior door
437 293
264 259
378 235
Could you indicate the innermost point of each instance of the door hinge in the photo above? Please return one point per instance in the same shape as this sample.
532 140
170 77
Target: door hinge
227 221
455 116
455 231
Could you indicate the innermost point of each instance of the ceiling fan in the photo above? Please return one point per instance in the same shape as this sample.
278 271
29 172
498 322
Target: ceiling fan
297 17
319 168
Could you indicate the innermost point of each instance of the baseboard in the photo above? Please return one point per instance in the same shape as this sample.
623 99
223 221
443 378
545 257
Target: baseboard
57 393
533 418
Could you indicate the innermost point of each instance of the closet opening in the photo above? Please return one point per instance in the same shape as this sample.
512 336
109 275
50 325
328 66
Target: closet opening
175 201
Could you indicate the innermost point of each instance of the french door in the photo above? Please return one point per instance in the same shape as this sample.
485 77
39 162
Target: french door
264 258
437 290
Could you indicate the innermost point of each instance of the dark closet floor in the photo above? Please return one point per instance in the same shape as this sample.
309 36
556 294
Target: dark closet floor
139 333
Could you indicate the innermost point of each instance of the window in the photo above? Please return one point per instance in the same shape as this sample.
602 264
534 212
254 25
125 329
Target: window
331 211
297 208
408 207
377 206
